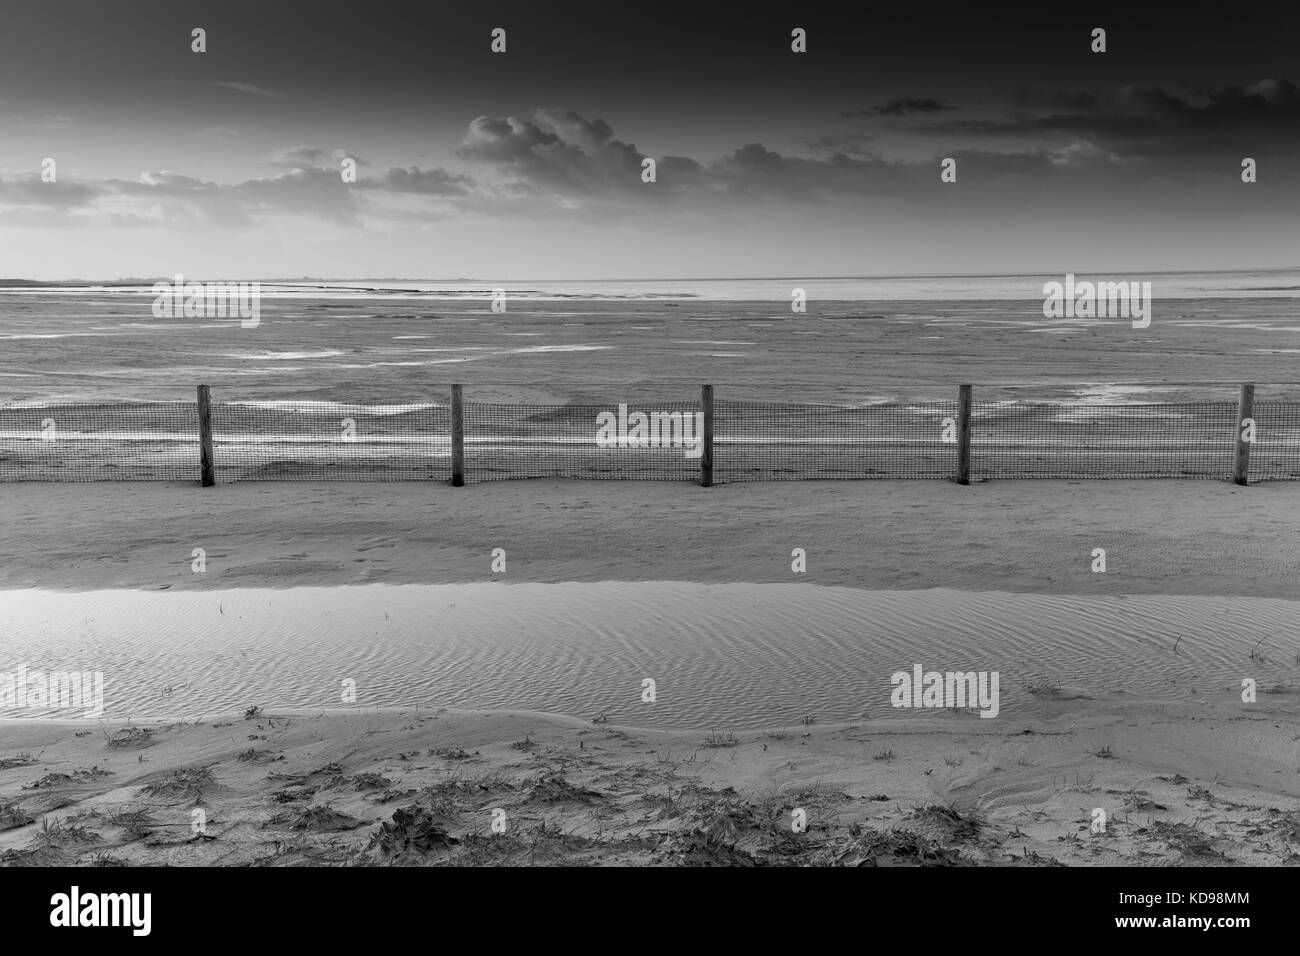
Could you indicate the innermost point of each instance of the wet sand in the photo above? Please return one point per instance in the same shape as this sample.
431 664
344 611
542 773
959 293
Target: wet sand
1161 536
91 348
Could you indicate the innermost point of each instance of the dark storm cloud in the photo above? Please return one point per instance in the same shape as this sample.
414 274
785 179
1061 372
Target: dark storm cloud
568 154
901 106
565 155
851 144
1071 100
560 162
1145 123
556 161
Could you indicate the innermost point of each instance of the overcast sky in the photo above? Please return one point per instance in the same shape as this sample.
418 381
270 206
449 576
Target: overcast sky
527 164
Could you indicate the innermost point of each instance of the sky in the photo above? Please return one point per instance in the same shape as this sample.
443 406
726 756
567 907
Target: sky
528 164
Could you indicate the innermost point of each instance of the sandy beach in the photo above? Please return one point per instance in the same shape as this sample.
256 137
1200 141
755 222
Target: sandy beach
1161 537
1180 781
1173 785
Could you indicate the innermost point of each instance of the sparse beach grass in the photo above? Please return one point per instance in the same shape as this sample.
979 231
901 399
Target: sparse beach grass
394 788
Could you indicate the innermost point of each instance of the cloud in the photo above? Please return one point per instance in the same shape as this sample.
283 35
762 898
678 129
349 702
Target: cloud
580 165
1133 123
167 196
173 182
1280 93
428 182
1071 100
30 192
554 151
564 162
244 88
1083 153
318 193
902 105
851 144
312 188
304 157
560 163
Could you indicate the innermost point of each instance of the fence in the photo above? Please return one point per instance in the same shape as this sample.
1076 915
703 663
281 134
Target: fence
700 437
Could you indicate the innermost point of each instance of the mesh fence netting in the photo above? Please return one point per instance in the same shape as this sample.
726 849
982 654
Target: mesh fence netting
660 441
1024 440
314 441
1276 452
128 441
652 439
756 441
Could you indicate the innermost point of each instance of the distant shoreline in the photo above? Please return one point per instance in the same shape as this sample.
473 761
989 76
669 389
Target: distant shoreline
323 280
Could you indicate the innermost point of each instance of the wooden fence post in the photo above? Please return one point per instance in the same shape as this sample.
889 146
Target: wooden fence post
1245 410
457 438
963 434
207 475
706 452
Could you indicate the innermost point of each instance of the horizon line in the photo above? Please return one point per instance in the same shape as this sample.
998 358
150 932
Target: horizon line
134 280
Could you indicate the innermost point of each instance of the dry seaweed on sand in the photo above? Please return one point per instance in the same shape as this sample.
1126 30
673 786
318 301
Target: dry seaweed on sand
1191 842
52 781
188 782
258 756
293 794
897 847
23 759
133 737
63 834
946 823
411 830
318 819
136 823
704 846
366 781
554 788
11 818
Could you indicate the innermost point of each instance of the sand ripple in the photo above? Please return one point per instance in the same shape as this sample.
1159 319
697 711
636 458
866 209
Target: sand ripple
722 655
